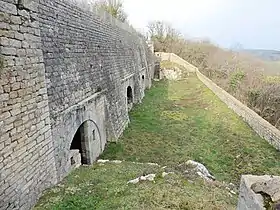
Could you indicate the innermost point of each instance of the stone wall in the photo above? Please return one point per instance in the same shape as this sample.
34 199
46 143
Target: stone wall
64 71
261 126
27 164
85 55
251 187
176 59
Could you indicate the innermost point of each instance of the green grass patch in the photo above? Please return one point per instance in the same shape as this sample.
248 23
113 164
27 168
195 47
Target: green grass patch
105 187
183 120
177 121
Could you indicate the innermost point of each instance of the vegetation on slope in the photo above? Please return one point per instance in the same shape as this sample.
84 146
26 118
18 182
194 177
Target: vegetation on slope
225 67
113 7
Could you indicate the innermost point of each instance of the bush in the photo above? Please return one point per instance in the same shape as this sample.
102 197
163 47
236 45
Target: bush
235 79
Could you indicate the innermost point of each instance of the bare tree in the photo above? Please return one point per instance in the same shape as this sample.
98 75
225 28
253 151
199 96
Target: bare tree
113 7
163 35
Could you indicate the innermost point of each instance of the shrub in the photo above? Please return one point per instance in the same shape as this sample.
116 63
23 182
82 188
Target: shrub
235 79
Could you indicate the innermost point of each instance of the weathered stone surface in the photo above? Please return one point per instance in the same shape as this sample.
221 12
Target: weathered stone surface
251 200
193 169
29 4
172 74
8 50
271 187
8 8
64 72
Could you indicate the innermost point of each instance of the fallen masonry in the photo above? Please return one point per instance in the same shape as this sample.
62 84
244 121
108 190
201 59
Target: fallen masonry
149 177
259 192
192 168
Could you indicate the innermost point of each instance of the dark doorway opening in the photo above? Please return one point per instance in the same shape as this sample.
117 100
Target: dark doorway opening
79 143
143 77
129 95
157 71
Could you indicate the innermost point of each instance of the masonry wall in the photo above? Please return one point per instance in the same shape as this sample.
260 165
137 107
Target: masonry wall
62 67
261 126
27 164
85 54
176 59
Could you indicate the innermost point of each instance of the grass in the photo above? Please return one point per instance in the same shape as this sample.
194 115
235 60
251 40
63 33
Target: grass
104 187
182 120
177 121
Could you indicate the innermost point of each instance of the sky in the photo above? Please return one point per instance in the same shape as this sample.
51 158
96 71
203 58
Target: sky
252 24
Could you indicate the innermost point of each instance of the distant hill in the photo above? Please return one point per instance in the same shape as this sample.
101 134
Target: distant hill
267 55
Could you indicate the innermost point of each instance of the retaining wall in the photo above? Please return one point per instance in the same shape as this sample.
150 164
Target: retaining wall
260 125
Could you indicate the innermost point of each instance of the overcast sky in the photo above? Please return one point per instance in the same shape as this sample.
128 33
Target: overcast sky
252 23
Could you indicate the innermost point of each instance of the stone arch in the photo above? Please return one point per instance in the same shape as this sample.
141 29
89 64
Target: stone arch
86 144
129 97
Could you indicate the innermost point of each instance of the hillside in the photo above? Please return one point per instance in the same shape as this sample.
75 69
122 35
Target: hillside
267 55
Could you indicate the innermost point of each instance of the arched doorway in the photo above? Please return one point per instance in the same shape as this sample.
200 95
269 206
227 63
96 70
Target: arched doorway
86 144
157 71
129 95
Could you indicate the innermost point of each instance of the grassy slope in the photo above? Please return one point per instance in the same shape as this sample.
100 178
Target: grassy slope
178 121
104 187
183 120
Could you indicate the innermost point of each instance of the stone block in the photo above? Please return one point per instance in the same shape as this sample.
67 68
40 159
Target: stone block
29 5
8 50
19 36
15 20
21 52
24 13
253 200
8 8
15 43
4 41
14 27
